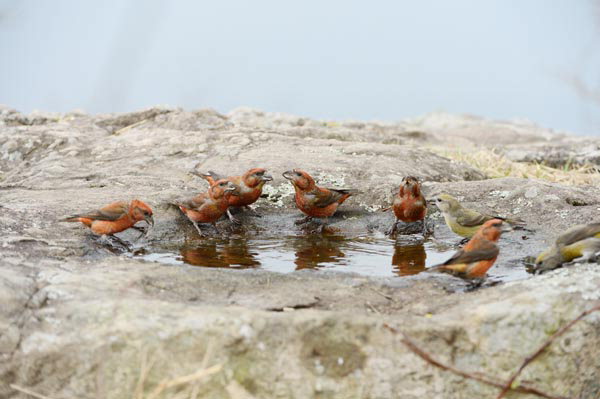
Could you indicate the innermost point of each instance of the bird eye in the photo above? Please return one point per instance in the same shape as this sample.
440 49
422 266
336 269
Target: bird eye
439 200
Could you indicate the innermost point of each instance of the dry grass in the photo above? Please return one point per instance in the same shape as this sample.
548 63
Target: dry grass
495 165
187 385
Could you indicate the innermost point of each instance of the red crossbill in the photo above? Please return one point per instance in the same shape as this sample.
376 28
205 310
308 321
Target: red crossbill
409 204
315 201
250 187
210 206
115 217
478 255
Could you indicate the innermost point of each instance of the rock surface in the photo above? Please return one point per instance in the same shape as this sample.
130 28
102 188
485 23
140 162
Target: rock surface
79 321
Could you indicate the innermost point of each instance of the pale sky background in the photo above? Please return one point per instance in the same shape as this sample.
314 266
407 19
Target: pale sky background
333 59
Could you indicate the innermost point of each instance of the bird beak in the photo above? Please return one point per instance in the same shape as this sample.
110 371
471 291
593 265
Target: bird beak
287 174
150 220
266 178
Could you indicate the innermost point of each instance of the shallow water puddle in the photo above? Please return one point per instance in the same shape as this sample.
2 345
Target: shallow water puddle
368 255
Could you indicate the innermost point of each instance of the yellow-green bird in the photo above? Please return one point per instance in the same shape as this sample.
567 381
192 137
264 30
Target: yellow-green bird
581 241
463 221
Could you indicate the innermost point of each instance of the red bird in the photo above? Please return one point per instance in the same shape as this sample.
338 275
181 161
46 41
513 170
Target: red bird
250 188
409 204
478 255
115 217
210 206
315 201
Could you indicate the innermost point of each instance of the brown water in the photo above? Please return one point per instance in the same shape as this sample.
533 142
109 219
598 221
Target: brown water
372 255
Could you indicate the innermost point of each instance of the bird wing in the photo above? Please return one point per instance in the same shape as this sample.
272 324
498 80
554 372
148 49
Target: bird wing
196 202
486 251
578 233
327 196
110 212
471 218
580 248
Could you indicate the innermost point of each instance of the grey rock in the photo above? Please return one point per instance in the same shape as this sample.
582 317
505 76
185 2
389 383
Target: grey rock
79 321
559 152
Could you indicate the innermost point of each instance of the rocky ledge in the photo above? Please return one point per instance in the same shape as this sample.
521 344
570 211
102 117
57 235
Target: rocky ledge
79 321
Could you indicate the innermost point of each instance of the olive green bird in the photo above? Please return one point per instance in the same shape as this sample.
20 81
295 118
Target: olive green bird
581 242
463 221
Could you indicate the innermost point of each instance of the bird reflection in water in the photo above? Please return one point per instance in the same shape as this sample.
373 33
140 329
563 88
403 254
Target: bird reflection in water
220 253
409 259
314 250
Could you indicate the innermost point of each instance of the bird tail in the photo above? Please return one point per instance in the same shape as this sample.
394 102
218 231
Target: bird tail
455 270
515 223
177 205
518 224
70 219
439 268
511 221
348 191
210 176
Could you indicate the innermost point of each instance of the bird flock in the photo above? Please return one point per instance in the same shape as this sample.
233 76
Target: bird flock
472 261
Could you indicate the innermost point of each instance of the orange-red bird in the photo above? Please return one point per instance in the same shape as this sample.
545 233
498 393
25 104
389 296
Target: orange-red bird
478 255
115 217
210 206
409 204
250 187
315 201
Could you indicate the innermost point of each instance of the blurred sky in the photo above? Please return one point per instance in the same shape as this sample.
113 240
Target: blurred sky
334 59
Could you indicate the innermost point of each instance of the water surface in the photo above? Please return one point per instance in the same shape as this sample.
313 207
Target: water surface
372 255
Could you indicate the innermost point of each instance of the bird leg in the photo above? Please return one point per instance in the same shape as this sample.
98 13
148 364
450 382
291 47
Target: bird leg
252 211
393 229
474 284
116 240
323 226
143 230
425 231
216 228
198 228
232 218
303 220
